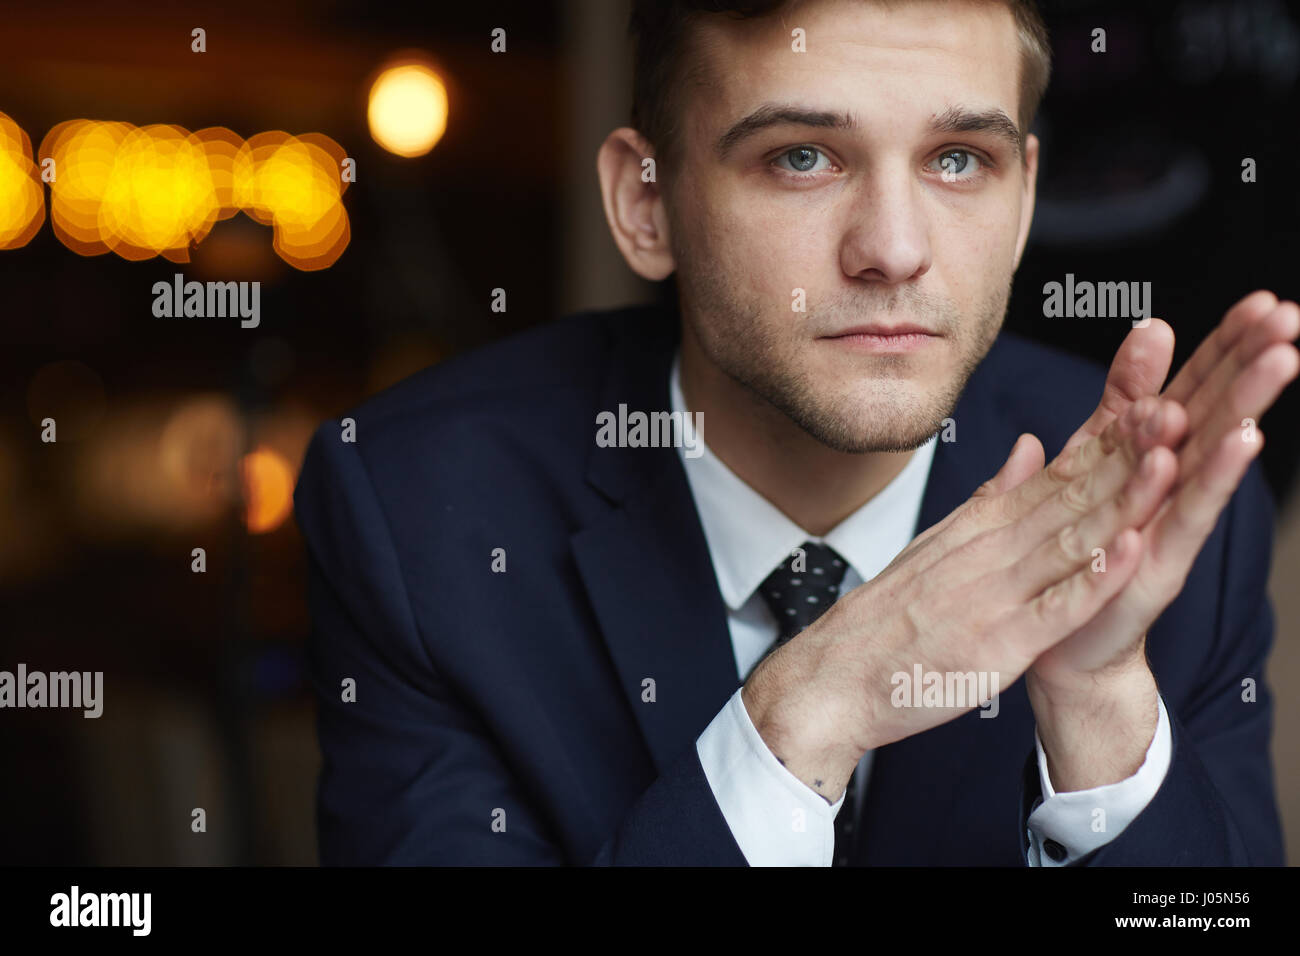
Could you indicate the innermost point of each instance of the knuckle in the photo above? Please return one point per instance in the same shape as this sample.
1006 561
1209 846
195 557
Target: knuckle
1061 468
1070 543
1076 495
979 512
916 619
1051 604
982 510
1111 438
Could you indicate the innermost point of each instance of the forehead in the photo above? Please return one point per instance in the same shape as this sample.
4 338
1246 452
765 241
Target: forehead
893 66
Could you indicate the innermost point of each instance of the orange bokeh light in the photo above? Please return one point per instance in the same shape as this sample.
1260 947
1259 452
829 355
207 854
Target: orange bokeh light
268 489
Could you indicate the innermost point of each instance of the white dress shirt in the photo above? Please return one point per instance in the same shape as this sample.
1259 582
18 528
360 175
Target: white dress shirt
776 818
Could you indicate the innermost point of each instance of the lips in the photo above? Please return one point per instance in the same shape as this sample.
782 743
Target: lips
879 328
880 338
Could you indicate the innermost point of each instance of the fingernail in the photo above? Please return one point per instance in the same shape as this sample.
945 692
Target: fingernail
1152 425
1148 464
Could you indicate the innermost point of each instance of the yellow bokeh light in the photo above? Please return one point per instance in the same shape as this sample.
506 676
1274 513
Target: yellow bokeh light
159 196
408 109
22 200
158 190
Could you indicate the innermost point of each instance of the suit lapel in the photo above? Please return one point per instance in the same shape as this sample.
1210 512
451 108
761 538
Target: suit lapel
646 564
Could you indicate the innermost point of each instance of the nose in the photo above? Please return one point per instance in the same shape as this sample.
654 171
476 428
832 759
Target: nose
888 239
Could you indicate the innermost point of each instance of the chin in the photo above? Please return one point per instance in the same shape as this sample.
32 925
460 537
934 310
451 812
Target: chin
892 441
873 426
891 412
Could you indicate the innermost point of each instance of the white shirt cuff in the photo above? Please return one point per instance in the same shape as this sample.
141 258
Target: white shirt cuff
776 818
1066 826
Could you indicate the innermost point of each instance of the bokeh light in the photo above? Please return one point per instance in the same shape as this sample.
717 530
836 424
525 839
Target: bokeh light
22 200
158 190
268 481
408 109
294 186
159 197
163 464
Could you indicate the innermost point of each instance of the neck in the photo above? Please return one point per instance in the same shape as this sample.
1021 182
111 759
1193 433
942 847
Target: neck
777 458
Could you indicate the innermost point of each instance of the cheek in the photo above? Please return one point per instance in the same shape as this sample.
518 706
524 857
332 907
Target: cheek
977 252
769 249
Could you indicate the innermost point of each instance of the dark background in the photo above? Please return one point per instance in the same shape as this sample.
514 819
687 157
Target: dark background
207 705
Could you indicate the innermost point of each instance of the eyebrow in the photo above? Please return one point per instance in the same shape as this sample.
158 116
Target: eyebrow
955 119
775 114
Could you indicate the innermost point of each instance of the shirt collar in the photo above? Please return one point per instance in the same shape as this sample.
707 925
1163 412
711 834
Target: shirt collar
748 536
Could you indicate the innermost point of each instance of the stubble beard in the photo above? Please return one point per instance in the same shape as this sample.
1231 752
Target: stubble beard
734 336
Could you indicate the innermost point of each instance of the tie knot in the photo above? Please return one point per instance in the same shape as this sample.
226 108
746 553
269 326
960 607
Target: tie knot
803 587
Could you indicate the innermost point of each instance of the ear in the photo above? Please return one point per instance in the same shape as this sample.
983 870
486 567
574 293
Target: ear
634 208
1027 209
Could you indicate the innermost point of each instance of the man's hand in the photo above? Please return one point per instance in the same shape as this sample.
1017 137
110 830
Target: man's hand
1093 695
1227 385
991 587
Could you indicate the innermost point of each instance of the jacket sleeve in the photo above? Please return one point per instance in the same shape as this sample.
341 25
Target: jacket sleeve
1216 806
411 774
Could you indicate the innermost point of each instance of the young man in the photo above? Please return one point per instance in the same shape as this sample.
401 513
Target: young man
542 635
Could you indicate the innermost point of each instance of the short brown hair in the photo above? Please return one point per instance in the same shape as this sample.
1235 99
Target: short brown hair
658 29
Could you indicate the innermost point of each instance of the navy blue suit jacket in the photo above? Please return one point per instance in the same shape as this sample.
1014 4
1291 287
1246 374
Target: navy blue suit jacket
516 696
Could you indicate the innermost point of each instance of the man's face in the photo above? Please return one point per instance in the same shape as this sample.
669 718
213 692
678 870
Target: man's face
912 218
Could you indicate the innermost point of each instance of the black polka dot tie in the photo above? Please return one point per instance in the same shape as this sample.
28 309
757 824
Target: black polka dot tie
800 590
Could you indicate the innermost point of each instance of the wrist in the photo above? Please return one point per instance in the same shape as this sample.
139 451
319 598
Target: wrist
1095 731
1075 690
801 722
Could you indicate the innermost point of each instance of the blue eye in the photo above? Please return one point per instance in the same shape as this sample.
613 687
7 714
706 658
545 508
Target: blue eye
955 164
803 159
